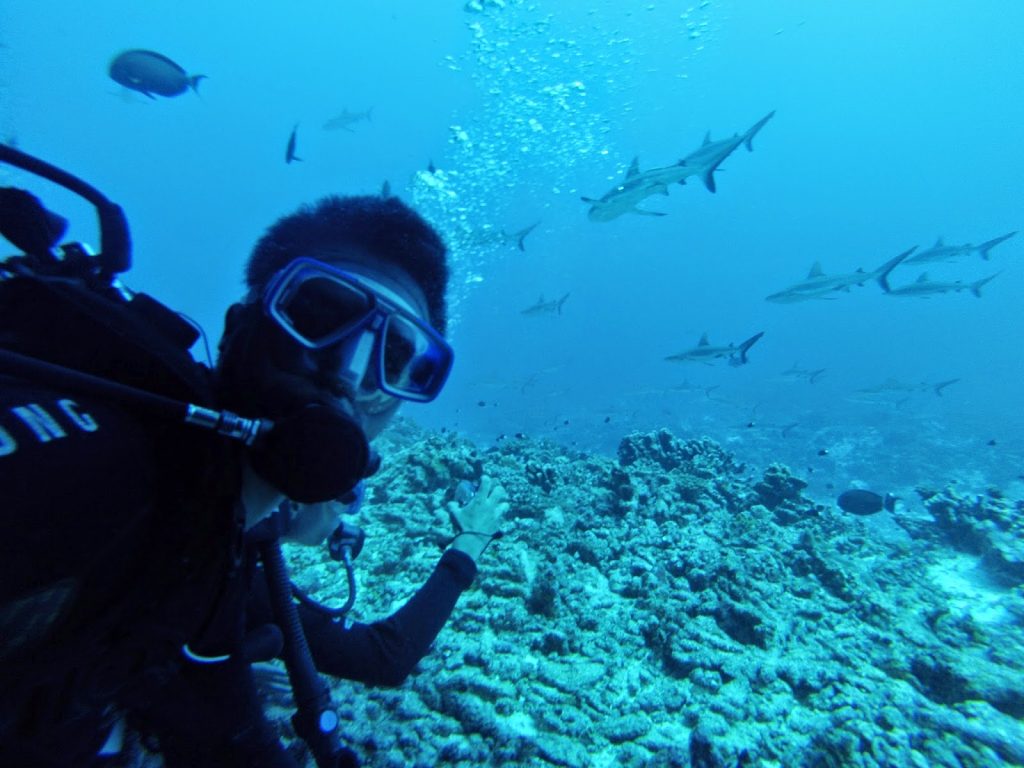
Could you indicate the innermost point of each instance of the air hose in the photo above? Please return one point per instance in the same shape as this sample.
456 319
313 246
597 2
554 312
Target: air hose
315 720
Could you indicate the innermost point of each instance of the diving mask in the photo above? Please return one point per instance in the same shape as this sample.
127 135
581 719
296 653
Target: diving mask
384 344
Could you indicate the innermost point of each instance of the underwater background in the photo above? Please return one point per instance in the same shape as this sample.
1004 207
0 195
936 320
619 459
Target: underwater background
894 124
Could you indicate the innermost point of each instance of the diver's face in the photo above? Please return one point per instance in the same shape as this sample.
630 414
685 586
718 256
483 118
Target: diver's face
373 408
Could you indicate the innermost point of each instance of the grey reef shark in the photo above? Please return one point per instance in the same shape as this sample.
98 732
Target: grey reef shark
345 120
639 185
796 373
496 237
542 307
818 285
942 252
925 288
705 352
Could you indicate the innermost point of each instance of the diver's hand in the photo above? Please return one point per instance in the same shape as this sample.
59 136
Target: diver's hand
477 523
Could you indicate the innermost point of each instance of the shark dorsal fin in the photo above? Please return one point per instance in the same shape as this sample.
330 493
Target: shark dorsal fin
634 168
860 270
703 340
707 139
938 242
816 270
541 299
923 278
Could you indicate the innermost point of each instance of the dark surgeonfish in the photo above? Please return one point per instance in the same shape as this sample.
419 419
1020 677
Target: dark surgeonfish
861 502
149 72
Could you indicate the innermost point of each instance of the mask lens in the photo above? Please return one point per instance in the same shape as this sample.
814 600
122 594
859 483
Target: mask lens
414 363
322 309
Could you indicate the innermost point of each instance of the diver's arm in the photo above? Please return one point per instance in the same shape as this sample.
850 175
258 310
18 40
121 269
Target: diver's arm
386 651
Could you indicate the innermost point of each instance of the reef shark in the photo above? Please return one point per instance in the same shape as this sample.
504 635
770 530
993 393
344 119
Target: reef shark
711 154
893 386
796 372
346 120
942 252
635 188
925 288
704 352
638 185
487 237
817 285
545 307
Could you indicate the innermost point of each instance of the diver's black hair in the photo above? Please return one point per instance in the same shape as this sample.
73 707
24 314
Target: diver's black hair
383 226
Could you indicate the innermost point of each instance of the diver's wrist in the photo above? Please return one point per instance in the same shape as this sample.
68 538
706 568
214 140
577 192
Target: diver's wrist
473 543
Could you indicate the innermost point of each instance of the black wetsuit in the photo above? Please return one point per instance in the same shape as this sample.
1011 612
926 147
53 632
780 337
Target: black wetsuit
120 542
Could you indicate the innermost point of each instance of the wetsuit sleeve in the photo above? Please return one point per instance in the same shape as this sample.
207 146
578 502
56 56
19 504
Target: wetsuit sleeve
385 652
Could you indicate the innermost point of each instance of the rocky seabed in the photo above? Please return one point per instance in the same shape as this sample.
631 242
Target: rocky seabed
673 607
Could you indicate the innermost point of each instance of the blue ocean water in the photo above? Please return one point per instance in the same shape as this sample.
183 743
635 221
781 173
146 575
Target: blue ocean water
895 124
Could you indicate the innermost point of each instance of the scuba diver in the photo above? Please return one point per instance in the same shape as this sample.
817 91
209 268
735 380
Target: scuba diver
146 495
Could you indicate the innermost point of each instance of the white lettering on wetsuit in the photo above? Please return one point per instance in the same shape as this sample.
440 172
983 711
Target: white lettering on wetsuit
83 421
39 421
43 425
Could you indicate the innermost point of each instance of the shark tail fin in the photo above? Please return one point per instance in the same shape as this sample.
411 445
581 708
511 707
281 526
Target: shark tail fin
748 137
882 273
988 245
522 233
709 178
937 388
561 301
976 286
746 345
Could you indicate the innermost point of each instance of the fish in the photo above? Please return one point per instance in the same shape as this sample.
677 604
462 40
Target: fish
149 72
796 372
639 185
818 285
685 388
942 252
893 386
289 153
545 307
488 237
712 154
926 288
635 188
346 120
704 352
860 502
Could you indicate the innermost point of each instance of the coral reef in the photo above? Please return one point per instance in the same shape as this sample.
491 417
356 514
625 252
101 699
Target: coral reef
990 526
669 609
